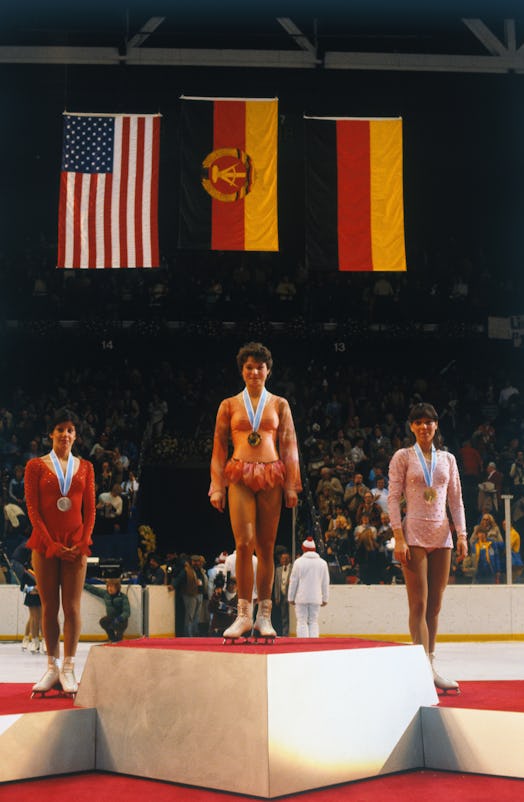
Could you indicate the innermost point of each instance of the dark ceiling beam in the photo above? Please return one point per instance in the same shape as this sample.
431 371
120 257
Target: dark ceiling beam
300 39
159 57
510 32
502 58
209 57
31 54
413 62
145 31
490 41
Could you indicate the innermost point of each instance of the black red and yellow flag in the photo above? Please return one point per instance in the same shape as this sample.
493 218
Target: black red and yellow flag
228 193
354 194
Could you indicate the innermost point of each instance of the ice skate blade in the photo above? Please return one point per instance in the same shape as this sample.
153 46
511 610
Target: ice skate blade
235 640
56 692
446 691
265 640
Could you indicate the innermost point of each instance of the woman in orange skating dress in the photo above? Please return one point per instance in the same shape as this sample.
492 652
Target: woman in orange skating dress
264 467
60 493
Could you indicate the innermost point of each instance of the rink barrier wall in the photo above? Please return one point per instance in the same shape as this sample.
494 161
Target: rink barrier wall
472 612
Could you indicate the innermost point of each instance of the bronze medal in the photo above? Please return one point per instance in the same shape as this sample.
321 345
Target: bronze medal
254 439
430 494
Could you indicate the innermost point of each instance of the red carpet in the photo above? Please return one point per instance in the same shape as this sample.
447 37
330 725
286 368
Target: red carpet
423 785
280 646
501 695
15 697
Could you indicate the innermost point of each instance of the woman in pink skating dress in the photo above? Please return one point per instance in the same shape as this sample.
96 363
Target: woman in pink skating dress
426 478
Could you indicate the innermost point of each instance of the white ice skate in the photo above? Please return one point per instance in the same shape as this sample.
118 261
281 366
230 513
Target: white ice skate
67 676
50 680
263 628
242 625
442 683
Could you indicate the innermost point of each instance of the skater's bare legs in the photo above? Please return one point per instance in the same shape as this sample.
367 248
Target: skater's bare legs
72 581
243 514
269 505
47 572
426 575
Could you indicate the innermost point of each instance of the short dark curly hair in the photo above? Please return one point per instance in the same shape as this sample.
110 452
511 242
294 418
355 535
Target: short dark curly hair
257 351
61 416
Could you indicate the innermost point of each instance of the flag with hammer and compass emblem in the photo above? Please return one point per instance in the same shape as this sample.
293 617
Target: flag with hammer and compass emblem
228 193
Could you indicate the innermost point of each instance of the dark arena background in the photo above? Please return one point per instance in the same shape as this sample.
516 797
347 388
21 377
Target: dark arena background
116 344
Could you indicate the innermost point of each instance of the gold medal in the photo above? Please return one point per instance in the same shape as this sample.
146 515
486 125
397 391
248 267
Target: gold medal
430 494
253 438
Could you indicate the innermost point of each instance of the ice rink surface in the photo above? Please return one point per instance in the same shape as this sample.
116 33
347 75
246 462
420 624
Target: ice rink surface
476 660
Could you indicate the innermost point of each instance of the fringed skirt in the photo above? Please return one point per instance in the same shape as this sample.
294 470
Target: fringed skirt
255 475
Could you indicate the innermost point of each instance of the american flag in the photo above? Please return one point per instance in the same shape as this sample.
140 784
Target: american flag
108 207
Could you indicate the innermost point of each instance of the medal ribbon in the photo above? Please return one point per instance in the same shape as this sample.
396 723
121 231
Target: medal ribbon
255 419
63 481
427 471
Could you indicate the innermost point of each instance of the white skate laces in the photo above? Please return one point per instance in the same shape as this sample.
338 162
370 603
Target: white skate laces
263 625
243 623
50 679
67 676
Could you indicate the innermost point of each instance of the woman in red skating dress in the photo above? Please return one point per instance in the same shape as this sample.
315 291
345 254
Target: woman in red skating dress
264 467
60 493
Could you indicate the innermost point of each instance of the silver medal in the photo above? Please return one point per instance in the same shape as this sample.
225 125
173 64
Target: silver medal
64 482
64 503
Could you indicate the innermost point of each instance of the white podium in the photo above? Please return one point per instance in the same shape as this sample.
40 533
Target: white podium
258 720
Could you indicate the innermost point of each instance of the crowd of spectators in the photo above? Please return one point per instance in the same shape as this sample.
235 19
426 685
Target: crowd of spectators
446 283
113 415
347 454
147 402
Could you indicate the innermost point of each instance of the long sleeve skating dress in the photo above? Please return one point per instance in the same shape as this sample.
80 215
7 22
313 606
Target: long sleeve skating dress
52 528
425 524
275 462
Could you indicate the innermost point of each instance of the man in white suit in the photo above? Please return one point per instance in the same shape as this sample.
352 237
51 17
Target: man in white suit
308 589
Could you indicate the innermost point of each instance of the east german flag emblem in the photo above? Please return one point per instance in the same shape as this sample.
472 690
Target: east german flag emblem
228 197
